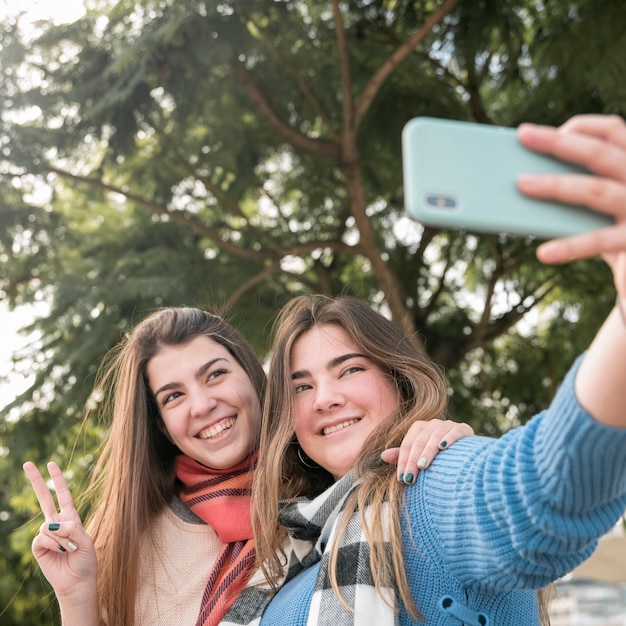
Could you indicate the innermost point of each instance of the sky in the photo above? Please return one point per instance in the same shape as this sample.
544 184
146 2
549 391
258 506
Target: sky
10 322
12 381
59 10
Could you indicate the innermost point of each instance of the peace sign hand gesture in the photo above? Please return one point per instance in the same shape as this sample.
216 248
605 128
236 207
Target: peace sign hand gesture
63 549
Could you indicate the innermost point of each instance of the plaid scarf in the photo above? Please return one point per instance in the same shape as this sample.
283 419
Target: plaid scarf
221 498
312 527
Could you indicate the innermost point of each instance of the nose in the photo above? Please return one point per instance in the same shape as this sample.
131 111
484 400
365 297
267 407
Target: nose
201 403
327 397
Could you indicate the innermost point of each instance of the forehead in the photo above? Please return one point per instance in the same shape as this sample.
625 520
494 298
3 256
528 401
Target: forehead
320 344
184 358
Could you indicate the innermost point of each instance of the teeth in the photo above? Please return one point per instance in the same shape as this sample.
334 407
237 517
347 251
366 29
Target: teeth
217 429
333 429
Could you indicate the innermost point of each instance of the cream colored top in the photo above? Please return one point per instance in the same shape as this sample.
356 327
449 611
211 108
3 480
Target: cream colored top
175 563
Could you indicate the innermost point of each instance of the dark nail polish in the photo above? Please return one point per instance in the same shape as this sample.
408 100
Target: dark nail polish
408 478
62 549
443 444
54 526
401 478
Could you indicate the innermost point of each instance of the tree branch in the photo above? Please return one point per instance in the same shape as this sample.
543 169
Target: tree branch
255 280
223 197
298 78
176 216
292 135
226 199
448 254
483 323
509 319
197 226
346 80
376 82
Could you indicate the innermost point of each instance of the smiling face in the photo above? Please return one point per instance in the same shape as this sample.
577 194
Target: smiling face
341 396
207 402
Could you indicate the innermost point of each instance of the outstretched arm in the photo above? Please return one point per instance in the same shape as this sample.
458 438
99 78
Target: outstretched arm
64 550
597 142
423 441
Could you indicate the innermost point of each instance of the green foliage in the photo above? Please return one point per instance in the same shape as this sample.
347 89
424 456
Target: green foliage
234 154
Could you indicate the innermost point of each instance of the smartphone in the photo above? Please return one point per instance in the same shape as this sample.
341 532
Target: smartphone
462 175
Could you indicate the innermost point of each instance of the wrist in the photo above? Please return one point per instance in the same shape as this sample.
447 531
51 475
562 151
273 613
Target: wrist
79 595
80 607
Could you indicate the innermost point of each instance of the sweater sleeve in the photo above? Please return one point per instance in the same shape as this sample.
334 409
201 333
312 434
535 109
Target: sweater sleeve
521 511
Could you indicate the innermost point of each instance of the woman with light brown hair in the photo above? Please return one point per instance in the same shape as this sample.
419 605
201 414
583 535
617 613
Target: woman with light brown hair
493 520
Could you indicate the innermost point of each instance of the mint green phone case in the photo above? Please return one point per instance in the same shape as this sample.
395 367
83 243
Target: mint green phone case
462 175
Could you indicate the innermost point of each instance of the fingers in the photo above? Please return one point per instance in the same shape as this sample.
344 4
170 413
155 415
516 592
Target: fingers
595 243
607 127
44 497
602 194
66 555
61 536
423 441
67 511
595 142
64 551
64 495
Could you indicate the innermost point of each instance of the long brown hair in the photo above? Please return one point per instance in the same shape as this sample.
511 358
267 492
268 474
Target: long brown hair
281 474
134 477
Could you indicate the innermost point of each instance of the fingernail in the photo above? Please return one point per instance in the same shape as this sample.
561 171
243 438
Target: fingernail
408 479
423 462
536 130
547 248
401 478
54 526
62 549
530 182
443 444
72 546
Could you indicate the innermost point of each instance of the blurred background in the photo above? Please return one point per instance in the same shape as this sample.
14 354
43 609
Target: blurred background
232 155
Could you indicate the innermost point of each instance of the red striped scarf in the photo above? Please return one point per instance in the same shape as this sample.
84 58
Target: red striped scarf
221 498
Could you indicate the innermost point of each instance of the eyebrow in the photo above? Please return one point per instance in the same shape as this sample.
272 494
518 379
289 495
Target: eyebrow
330 365
198 374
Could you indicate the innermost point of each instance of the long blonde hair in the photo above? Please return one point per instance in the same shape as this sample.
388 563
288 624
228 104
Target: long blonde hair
134 477
422 393
281 474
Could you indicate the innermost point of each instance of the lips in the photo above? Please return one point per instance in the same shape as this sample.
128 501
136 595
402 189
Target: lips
327 430
216 429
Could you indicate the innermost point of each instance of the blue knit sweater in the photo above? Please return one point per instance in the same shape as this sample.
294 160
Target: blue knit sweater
493 520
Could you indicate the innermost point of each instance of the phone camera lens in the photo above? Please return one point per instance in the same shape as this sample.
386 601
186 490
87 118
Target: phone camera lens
440 201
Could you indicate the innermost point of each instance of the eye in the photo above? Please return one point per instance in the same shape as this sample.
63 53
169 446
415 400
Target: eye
353 369
216 374
300 388
170 397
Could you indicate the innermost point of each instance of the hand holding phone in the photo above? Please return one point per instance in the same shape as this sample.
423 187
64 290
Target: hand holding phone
463 175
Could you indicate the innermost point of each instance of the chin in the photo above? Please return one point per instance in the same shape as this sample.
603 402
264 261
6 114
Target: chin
338 473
